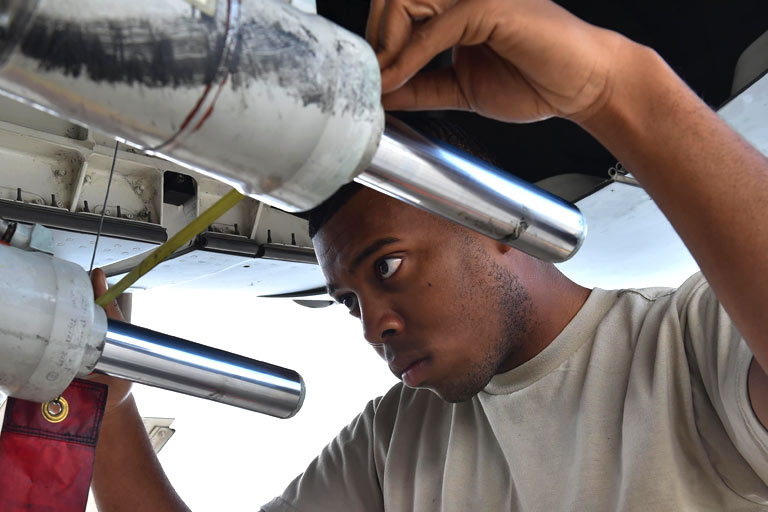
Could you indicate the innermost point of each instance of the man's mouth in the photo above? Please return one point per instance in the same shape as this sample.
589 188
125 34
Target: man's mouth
415 373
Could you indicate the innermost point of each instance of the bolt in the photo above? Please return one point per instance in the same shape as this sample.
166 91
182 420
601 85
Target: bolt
59 204
109 212
129 215
88 178
60 173
139 189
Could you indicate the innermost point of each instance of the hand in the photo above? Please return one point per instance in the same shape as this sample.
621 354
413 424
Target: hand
513 60
119 389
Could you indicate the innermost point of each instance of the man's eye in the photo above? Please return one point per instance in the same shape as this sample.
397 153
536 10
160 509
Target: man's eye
386 267
349 301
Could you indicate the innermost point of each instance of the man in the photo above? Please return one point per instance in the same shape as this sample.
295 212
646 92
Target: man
522 390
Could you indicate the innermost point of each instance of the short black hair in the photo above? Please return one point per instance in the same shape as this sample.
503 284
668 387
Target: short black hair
435 128
321 214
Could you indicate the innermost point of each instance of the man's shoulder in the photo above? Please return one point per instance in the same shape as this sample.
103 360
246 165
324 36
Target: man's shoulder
654 294
646 317
641 302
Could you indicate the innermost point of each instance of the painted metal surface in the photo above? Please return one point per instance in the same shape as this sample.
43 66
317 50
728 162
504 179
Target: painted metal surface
747 113
45 157
630 244
210 270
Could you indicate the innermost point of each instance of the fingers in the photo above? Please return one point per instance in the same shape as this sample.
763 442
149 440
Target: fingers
428 90
373 26
457 25
398 20
391 22
394 33
99 282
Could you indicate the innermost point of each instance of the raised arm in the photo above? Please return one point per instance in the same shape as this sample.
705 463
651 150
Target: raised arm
709 182
127 475
525 60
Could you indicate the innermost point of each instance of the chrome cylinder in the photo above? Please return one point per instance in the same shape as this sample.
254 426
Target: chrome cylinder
163 361
464 189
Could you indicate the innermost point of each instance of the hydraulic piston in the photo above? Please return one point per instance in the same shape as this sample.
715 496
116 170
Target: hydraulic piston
51 331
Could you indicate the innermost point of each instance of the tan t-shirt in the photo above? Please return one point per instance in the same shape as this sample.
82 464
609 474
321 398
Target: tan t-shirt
639 404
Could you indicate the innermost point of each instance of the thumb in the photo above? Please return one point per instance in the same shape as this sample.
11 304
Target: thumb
99 282
429 90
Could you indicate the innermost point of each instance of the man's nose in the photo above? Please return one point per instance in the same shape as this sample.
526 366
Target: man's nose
380 321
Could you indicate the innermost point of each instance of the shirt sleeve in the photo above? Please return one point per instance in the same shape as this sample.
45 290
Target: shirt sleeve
720 358
343 477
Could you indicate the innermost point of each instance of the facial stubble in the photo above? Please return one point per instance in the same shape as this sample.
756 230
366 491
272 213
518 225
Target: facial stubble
504 300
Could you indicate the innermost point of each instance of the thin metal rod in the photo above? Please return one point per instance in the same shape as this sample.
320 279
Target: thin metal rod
450 183
104 208
167 362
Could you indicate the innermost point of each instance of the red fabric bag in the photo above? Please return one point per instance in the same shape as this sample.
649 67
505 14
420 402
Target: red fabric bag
45 466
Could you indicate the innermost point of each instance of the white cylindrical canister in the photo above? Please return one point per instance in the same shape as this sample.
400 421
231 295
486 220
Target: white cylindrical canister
50 329
281 104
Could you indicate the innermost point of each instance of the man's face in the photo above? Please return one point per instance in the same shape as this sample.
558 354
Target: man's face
436 301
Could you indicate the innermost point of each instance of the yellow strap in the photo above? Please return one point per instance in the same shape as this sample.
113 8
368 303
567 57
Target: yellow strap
186 234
